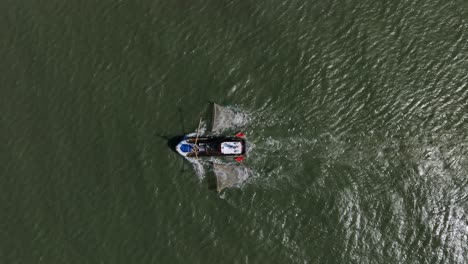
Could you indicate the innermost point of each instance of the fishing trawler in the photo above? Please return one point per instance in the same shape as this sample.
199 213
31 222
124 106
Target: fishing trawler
195 145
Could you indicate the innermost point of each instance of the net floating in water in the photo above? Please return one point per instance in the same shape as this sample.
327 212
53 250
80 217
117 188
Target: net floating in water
226 118
229 175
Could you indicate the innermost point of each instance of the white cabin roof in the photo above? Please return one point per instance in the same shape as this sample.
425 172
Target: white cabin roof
234 147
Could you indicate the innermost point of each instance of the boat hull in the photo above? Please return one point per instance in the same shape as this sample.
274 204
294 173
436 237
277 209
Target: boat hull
191 146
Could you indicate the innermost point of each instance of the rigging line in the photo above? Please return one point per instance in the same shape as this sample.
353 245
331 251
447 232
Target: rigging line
196 139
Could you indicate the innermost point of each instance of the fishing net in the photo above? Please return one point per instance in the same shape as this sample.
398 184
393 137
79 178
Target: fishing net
226 118
229 175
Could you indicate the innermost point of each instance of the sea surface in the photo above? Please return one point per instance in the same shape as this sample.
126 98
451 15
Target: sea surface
358 125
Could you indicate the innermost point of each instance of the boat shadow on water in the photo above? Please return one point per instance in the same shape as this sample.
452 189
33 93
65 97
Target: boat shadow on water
173 141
